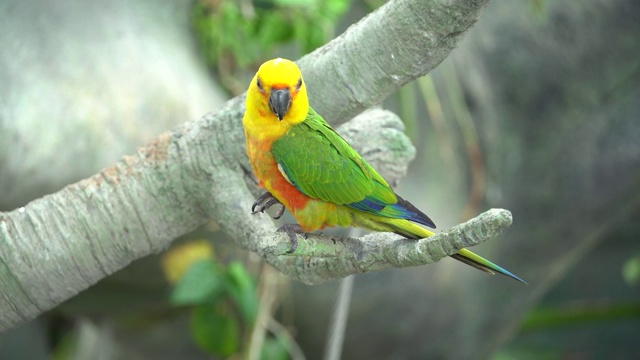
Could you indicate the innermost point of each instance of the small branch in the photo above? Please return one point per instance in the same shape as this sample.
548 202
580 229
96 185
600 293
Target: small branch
319 257
269 286
338 325
282 332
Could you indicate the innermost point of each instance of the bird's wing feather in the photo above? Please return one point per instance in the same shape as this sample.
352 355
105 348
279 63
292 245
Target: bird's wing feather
322 165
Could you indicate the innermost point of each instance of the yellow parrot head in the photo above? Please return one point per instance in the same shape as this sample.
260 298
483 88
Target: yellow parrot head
277 93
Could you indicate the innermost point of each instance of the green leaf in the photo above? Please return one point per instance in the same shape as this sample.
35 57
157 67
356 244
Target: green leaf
293 3
215 331
334 9
273 28
242 290
200 284
274 349
631 271
315 37
66 347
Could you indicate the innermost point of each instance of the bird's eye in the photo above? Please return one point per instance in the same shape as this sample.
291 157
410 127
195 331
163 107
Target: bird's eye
299 84
259 83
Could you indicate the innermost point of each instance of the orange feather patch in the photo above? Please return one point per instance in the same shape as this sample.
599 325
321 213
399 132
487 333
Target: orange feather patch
266 169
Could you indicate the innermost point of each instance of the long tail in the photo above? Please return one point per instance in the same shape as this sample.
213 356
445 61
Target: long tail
414 231
480 263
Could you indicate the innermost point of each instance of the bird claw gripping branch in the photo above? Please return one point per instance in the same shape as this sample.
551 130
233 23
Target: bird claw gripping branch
266 201
293 230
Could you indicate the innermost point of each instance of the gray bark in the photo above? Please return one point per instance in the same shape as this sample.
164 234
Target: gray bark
62 243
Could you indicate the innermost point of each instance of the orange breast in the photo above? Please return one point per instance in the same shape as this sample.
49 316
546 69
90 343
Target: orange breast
266 169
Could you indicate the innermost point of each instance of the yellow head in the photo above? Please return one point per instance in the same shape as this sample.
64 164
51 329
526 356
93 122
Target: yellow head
276 99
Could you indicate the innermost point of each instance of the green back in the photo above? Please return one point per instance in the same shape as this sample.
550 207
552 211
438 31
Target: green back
322 165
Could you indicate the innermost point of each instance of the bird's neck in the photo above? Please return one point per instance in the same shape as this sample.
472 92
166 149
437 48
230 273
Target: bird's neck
263 126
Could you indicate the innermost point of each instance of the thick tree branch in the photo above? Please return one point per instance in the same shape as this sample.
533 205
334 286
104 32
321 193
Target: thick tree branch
62 243
401 41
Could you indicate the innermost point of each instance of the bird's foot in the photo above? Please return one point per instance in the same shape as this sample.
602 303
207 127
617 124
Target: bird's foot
293 230
266 201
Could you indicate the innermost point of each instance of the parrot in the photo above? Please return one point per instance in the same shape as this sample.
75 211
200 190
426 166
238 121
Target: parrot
308 168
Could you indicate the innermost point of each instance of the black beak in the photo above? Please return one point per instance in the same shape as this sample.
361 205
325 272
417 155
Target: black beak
280 101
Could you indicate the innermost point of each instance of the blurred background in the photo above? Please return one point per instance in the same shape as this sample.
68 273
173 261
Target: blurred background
536 111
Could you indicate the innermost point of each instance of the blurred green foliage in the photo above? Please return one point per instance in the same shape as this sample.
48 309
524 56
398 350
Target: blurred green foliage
542 318
236 34
274 349
225 302
215 329
203 281
631 271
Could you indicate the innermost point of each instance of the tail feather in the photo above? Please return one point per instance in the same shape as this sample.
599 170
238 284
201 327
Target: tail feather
414 231
473 264
480 263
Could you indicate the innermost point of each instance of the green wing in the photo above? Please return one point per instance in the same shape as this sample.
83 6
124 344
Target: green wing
322 165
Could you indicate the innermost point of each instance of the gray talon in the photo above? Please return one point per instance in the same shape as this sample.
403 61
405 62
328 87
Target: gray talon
293 230
265 201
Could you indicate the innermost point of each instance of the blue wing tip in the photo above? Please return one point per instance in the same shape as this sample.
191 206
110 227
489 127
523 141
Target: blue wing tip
414 213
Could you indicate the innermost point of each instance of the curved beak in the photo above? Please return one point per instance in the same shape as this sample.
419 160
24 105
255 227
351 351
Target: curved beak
280 101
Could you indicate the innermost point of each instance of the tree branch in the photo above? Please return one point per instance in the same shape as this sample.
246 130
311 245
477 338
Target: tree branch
62 243
319 258
400 42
